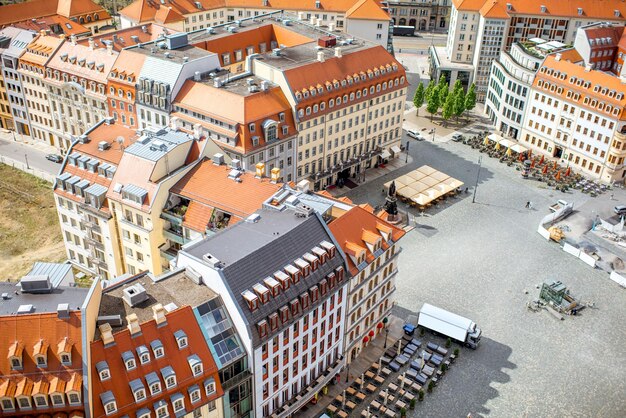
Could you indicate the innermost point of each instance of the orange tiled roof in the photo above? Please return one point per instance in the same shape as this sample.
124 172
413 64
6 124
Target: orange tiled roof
596 9
197 216
122 38
30 330
209 184
108 133
36 9
168 15
74 59
40 49
179 319
356 224
144 10
128 62
67 26
367 10
563 72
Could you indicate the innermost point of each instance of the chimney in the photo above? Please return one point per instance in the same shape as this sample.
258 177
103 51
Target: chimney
320 56
159 314
196 76
588 68
275 175
133 324
338 52
144 29
557 57
197 131
260 170
110 48
92 43
174 123
265 85
313 20
106 333
73 39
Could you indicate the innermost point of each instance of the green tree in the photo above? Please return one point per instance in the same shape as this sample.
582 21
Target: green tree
443 89
459 103
429 90
432 106
418 98
457 87
448 107
470 97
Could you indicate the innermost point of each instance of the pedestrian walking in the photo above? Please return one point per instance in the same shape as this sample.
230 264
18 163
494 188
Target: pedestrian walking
611 196
528 205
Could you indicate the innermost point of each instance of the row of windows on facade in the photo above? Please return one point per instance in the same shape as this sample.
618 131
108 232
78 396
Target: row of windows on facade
56 400
293 309
339 100
161 406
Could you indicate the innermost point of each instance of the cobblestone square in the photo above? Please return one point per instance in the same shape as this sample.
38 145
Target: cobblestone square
479 260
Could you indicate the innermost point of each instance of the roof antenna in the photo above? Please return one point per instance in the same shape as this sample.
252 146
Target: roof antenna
120 141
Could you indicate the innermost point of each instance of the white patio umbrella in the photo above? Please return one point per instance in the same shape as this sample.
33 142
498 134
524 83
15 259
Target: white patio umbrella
402 381
385 397
362 377
343 399
399 347
368 411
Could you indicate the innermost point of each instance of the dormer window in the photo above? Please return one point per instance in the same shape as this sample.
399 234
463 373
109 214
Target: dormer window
181 338
108 401
195 364
40 354
332 279
129 360
273 285
262 292
281 116
283 279
157 348
273 321
103 370
194 393
294 273
7 405
138 390
312 260
330 248
339 273
154 384
169 377
209 387
144 354
315 293
23 402
303 266
73 398
304 300
262 328
284 314
57 399
15 355
41 401
251 299
178 402
294 305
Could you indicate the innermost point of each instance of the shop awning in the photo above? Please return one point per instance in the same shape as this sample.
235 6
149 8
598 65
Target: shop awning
396 150
385 155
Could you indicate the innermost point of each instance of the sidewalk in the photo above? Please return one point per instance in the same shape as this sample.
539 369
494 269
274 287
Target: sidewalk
370 354
27 140
374 173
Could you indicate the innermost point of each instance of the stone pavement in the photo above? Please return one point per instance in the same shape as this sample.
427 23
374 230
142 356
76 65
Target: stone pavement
370 354
27 140
373 173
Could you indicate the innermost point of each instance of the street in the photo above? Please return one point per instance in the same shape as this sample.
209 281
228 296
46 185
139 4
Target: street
484 260
21 152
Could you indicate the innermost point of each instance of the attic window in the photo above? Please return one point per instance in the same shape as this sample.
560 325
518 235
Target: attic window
273 321
251 299
284 314
283 278
312 260
262 292
293 272
103 370
330 248
303 266
262 328
304 300
324 287
332 279
315 293
181 338
273 285
339 272
295 307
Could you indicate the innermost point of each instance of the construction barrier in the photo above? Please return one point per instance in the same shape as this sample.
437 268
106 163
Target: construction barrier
568 248
617 278
543 232
586 258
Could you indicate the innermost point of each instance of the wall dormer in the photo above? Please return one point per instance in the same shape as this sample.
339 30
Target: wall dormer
15 355
40 353
64 351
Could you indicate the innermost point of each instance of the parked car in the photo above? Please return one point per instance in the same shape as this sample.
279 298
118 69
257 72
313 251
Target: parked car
55 158
414 134
620 209
458 137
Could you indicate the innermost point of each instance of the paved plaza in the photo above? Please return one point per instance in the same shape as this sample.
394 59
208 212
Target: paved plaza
479 260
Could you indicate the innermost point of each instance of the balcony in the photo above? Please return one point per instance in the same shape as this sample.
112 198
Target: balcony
168 254
305 396
175 235
175 215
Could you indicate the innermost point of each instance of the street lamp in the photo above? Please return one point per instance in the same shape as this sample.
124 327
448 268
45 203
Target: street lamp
480 160
432 131
26 158
386 335
348 373
407 152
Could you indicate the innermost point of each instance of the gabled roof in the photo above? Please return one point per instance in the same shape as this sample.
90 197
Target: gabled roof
167 15
494 10
367 10
596 9
41 49
19 12
74 59
357 228
210 185
177 358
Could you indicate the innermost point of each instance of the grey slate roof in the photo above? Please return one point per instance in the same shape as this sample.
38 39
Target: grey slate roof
253 251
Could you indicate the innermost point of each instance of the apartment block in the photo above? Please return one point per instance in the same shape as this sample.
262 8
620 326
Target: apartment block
90 233
150 356
480 30
365 18
371 248
425 15
45 327
511 78
76 80
147 170
210 197
283 281
576 114
16 86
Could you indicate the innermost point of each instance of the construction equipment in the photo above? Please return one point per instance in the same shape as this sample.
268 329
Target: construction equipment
556 233
557 296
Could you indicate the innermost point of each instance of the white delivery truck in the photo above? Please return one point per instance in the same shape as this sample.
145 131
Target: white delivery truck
449 324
